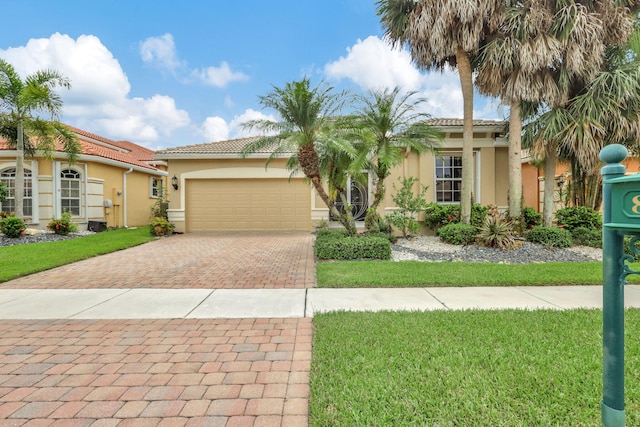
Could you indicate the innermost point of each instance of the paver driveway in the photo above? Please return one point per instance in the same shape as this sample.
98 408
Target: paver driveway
165 372
218 260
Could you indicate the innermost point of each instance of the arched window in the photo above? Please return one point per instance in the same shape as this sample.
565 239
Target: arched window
70 191
8 178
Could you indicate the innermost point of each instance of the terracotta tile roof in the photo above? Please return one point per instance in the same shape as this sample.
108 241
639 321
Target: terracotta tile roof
96 145
459 123
230 147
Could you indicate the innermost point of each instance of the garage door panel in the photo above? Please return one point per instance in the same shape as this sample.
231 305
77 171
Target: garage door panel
247 204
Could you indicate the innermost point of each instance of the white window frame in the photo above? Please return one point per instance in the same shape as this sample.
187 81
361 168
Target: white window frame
476 176
78 179
28 187
156 191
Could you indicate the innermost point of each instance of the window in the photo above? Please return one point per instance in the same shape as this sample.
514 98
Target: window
70 191
157 187
8 178
448 179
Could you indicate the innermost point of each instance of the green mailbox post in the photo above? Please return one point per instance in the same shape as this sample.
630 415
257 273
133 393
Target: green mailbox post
621 215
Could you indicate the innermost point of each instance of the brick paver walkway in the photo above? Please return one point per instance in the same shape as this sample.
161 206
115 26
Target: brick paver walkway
219 260
173 372
241 372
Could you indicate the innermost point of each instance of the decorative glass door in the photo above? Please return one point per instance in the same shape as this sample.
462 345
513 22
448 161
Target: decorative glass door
358 197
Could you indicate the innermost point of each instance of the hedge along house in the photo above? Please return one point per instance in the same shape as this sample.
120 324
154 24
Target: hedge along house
217 190
112 182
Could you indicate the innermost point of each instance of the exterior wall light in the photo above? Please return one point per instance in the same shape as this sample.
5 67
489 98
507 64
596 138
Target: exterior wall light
174 182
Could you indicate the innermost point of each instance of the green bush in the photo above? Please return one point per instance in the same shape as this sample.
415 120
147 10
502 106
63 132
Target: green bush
12 226
339 233
584 236
63 226
409 205
578 216
627 248
530 217
160 226
457 233
438 215
550 237
390 237
353 248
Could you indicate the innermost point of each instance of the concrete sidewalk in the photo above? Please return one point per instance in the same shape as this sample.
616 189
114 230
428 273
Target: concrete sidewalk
141 303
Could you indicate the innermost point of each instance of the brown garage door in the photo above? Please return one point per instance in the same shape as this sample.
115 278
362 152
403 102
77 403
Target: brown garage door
247 205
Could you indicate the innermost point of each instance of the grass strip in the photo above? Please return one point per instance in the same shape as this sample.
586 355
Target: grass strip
374 274
465 368
21 260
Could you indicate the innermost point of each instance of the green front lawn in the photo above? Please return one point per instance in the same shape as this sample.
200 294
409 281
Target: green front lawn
465 368
358 274
21 260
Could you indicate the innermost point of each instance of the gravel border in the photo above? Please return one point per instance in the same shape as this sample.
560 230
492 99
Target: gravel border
431 248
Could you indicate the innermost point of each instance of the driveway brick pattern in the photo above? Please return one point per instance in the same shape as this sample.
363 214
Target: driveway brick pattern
173 372
212 260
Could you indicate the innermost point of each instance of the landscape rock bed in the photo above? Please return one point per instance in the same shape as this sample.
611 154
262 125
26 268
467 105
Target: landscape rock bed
431 248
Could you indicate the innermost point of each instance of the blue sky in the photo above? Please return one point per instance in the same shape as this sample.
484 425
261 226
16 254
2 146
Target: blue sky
170 73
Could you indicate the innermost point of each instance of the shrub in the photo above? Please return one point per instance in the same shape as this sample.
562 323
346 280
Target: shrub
159 226
331 234
578 216
530 217
496 233
4 193
457 233
550 237
63 226
627 248
352 248
408 206
587 237
438 215
12 226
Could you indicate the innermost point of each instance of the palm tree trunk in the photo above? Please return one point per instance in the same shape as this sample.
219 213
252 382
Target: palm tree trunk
466 83
346 221
515 162
19 178
549 184
371 217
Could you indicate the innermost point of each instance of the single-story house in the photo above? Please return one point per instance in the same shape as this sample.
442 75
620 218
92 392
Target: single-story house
113 183
217 190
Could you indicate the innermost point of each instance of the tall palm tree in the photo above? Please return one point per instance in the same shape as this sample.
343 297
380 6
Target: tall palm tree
306 114
439 34
390 123
20 103
597 94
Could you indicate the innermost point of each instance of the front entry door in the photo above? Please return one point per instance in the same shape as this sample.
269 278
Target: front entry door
358 197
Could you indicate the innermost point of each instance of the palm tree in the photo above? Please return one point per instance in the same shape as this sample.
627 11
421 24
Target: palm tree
20 102
389 124
442 33
306 115
596 100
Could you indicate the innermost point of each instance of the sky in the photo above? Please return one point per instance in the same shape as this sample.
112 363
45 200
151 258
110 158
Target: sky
168 73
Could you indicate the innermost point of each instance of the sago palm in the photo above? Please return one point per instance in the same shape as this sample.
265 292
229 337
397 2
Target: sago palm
21 101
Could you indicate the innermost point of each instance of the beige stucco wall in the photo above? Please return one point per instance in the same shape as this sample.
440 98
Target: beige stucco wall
99 182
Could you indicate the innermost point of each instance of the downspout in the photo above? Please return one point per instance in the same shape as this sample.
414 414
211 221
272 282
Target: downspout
124 197
86 195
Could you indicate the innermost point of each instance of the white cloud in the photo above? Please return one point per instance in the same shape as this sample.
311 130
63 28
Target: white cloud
217 129
161 50
219 76
99 100
373 64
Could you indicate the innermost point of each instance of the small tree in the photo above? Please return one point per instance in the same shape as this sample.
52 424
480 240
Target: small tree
4 193
409 205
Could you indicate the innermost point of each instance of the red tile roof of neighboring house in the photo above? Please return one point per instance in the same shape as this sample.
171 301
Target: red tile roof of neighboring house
96 145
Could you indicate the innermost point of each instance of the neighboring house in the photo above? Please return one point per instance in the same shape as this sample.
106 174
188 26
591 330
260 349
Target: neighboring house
533 181
114 182
217 190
